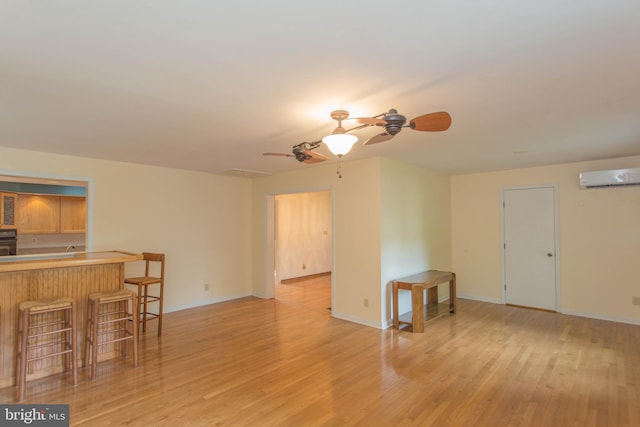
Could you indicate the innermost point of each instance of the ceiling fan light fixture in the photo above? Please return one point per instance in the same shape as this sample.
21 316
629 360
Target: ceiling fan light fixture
339 143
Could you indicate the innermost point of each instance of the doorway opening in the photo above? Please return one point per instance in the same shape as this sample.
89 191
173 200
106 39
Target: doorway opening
53 213
303 249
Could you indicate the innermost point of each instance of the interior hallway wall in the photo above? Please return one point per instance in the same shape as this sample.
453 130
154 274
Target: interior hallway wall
416 227
303 236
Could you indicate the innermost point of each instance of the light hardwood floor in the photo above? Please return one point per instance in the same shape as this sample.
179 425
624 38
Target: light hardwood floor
313 292
252 362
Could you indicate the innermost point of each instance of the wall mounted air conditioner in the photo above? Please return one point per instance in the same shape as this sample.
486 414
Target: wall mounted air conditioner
610 178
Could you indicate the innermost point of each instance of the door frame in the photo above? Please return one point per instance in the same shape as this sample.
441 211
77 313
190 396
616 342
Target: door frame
270 272
556 215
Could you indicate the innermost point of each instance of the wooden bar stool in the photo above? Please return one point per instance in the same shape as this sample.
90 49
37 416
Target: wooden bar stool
109 325
143 283
46 328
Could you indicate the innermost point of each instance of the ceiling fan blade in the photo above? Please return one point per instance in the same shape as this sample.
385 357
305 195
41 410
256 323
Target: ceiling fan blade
278 154
381 137
311 160
432 122
314 157
371 121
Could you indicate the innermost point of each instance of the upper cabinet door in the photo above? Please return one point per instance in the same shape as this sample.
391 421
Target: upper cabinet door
8 204
38 214
73 214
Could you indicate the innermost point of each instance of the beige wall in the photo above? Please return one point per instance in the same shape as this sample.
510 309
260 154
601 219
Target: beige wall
389 219
201 221
599 237
416 227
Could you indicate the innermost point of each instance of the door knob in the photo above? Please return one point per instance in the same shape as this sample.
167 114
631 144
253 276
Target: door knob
549 254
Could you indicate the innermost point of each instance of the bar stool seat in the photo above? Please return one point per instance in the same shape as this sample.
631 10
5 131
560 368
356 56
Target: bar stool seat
46 328
108 325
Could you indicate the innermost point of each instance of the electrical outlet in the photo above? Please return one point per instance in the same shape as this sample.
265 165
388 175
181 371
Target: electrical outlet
635 300
206 286
366 302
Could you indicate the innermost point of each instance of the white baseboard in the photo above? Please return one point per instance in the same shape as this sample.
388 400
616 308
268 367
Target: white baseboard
389 322
600 316
588 315
203 303
482 299
353 319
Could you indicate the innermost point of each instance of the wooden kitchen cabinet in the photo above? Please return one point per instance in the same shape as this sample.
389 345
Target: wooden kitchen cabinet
73 214
38 214
8 205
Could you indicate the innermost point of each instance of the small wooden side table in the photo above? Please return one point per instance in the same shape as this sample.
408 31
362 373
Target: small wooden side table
417 284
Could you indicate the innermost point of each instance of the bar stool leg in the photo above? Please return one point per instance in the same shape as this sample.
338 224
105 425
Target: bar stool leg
144 311
94 339
160 307
22 358
135 309
87 338
123 307
74 344
66 361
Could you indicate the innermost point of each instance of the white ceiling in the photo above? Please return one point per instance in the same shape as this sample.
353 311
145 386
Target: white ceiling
211 85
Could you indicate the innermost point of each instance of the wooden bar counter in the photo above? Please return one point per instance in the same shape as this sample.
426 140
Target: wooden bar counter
75 275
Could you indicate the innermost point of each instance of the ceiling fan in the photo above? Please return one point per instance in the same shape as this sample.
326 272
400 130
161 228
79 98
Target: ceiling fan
340 140
304 153
393 122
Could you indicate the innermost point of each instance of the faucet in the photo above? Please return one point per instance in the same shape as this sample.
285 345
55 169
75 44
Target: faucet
69 248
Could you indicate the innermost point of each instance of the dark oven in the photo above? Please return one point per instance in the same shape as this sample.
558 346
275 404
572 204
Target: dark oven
8 242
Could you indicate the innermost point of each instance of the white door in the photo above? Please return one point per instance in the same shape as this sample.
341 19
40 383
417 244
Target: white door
530 247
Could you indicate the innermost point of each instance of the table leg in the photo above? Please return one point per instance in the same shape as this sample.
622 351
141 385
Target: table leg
396 319
417 306
432 295
452 294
